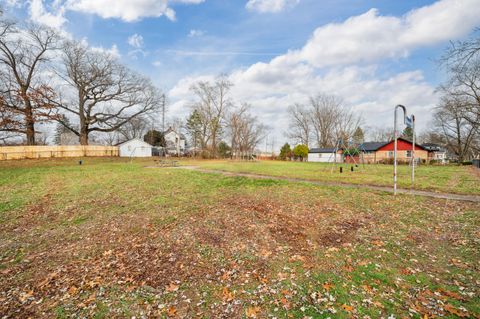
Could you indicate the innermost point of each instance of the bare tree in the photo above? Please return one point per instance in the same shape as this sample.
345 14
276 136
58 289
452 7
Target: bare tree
460 53
300 125
458 115
325 113
459 133
106 95
245 131
212 105
134 128
347 123
25 94
380 134
331 120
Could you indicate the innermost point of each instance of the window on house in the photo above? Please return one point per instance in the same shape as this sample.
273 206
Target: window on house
390 154
409 153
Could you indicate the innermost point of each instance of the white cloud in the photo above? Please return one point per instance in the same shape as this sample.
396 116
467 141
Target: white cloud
196 33
113 50
369 37
264 6
135 41
342 59
39 14
128 10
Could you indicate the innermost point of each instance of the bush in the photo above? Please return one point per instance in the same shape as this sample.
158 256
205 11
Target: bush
301 151
467 163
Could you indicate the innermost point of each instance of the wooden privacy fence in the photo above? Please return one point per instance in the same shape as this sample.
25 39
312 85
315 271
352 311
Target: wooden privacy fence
22 152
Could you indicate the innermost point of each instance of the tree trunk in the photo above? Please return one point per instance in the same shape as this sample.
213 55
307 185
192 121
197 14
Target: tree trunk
83 131
30 133
29 123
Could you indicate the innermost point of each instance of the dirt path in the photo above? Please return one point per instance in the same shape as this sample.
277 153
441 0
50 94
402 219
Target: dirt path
469 198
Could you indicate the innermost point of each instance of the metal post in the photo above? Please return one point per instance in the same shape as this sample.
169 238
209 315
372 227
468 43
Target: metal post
413 150
395 145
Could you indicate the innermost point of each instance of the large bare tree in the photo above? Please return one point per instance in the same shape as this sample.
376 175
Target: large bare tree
458 115
460 135
331 120
25 93
103 94
245 131
300 123
211 107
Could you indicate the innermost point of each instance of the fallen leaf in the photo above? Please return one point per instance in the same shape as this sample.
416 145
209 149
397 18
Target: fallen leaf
171 287
347 308
252 312
172 311
286 304
327 286
227 295
451 309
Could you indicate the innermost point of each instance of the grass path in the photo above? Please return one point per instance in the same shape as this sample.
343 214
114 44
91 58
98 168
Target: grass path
450 196
445 179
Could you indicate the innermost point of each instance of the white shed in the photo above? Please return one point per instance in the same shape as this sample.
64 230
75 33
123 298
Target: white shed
135 148
324 155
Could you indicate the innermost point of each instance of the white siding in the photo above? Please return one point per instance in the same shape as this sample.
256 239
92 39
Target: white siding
324 157
135 148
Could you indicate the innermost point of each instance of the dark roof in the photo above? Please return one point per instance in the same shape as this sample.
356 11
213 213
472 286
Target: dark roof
322 150
432 147
371 146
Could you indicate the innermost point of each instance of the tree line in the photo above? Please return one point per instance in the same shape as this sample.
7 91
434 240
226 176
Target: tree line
219 126
324 120
45 77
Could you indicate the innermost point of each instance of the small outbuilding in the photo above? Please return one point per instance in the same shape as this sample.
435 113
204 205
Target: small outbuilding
325 155
135 148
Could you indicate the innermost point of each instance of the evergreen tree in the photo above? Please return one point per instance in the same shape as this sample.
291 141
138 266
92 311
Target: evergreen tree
408 133
194 128
155 138
285 152
224 150
358 136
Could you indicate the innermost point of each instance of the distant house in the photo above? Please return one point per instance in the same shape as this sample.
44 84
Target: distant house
325 155
175 142
135 148
375 152
436 152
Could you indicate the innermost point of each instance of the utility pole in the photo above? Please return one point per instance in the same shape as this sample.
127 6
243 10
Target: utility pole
413 150
163 122
163 113
395 144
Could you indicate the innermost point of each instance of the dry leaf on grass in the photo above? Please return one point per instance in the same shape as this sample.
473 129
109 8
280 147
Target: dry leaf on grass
347 308
171 287
227 295
252 312
172 311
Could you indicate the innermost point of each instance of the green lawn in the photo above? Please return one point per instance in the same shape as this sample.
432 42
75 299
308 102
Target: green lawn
116 239
450 179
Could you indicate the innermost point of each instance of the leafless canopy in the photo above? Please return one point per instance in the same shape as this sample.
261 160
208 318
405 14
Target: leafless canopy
325 118
105 95
24 92
458 115
211 106
300 127
245 131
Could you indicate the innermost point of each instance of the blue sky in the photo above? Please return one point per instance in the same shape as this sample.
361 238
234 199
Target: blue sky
373 54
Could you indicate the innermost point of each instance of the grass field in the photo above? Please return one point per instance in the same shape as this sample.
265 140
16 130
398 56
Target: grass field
449 179
114 239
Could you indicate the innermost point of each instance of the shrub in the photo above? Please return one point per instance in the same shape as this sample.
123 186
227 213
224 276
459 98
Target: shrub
301 151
